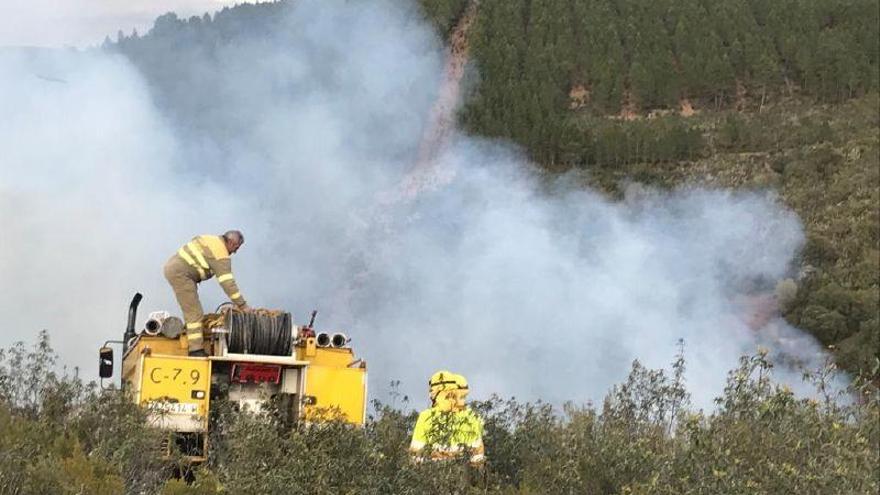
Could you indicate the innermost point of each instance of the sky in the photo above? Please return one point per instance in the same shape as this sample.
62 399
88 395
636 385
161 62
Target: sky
81 23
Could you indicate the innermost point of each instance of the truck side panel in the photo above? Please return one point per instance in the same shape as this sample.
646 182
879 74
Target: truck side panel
336 388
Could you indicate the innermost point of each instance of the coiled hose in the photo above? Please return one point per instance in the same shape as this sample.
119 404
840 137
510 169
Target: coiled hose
260 332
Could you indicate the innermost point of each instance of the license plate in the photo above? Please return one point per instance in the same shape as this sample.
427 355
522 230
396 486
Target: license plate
175 407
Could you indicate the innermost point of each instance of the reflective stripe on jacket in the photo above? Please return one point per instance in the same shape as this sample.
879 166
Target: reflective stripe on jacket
207 254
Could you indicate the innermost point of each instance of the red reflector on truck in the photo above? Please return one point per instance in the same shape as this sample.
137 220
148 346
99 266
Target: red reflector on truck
255 373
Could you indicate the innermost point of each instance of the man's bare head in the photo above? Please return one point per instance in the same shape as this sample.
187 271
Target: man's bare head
233 239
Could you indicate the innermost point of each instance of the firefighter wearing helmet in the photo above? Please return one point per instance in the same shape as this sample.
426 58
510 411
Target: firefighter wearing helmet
448 428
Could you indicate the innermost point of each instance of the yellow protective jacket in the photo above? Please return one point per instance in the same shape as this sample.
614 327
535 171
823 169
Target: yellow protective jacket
208 256
448 433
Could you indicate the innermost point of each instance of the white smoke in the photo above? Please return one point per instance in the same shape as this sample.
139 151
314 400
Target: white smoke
50 23
529 291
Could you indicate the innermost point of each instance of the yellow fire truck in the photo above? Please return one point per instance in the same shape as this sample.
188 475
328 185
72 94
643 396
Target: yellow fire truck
251 360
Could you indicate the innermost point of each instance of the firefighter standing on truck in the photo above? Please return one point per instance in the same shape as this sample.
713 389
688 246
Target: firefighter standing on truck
200 259
448 428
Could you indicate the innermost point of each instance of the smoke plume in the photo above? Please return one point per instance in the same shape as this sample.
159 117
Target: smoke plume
48 23
530 289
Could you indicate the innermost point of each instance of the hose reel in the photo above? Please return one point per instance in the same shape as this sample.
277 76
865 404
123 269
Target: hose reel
260 332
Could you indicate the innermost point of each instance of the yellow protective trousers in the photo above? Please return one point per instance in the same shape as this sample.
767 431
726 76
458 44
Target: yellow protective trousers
183 282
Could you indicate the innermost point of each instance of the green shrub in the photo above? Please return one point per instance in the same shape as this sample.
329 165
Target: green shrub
645 439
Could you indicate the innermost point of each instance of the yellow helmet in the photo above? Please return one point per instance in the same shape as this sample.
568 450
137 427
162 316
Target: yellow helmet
441 380
460 382
446 380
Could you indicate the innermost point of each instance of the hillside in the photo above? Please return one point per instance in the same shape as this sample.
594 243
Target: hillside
822 160
751 94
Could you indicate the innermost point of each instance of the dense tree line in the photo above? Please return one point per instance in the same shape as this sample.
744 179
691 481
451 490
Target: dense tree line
611 143
636 55
629 56
62 436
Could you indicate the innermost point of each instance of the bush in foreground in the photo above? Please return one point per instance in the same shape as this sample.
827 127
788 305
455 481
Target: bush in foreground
59 435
